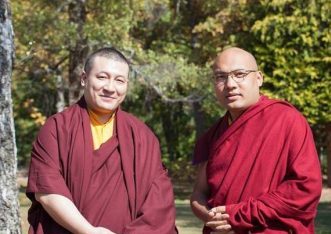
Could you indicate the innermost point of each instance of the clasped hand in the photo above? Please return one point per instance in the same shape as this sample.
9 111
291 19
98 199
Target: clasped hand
218 221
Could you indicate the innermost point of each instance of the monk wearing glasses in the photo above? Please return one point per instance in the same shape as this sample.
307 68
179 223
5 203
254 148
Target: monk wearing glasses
258 169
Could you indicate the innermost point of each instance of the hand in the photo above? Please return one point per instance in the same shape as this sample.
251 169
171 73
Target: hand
223 232
101 230
218 221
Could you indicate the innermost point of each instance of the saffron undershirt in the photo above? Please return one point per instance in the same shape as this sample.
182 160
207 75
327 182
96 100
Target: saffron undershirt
101 132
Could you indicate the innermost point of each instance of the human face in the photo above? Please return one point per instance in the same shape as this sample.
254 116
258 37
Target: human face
105 85
237 96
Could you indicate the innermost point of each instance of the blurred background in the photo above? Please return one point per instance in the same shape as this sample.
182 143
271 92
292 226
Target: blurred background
171 44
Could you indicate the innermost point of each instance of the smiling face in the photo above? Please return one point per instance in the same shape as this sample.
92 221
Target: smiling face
105 85
237 97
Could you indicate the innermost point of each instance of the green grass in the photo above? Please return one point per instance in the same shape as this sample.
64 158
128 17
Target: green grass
323 220
24 207
187 223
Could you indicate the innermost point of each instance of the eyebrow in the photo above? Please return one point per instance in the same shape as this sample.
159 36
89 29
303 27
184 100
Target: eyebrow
116 74
237 69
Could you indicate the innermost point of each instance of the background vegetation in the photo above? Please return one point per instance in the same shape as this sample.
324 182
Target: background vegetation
171 44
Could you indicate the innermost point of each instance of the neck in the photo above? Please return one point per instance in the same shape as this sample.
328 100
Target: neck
104 118
101 117
233 115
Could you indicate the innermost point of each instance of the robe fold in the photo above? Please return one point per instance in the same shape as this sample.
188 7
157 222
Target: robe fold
264 168
121 186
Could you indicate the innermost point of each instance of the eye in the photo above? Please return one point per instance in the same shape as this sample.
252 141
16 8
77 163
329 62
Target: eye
221 76
101 77
120 80
239 74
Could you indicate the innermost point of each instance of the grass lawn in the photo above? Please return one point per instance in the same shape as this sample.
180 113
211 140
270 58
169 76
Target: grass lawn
323 221
188 224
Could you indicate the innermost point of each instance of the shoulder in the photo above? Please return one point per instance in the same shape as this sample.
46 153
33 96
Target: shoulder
286 113
284 108
137 125
68 113
63 119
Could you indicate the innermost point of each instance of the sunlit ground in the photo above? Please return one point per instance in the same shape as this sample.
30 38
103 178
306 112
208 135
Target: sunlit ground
188 224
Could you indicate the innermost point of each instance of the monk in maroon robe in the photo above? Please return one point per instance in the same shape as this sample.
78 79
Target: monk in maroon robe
258 167
120 187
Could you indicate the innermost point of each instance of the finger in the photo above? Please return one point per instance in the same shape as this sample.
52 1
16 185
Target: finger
218 209
225 216
218 222
211 213
225 227
222 232
214 224
219 216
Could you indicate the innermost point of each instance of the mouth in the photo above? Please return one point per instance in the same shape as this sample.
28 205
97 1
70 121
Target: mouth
106 97
231 97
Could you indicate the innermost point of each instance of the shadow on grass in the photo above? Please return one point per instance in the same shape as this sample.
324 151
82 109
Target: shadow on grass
186 219
186 222
25 204
323 219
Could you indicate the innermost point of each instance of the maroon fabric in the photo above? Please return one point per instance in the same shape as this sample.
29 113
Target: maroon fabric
264 168
122 185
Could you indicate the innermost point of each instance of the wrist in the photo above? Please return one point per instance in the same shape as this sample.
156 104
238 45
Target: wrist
88 229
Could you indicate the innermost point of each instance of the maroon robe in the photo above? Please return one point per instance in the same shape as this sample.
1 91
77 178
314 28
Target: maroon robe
264 168
121 186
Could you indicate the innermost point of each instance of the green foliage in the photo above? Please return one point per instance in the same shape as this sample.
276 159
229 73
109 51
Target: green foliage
293 47
291 41
171 45
162 92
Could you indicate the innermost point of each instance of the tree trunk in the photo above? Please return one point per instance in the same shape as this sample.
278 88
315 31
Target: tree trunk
77 16
60 102
9 208
328 153
199 119
170 132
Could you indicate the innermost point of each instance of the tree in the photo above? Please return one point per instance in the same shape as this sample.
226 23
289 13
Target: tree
9 214
291 40
171 44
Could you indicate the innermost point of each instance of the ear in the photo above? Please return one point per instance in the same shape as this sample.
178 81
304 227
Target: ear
83 78
259 77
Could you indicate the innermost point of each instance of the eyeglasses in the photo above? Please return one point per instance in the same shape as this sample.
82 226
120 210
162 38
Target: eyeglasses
237 75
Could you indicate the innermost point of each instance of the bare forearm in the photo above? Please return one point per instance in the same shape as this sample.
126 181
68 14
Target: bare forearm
200 193
65 213
199 206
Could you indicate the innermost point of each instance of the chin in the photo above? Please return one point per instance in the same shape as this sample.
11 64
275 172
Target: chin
235 106
107 108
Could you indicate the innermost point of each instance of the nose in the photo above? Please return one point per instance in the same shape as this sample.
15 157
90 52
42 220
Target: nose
230 83
109 85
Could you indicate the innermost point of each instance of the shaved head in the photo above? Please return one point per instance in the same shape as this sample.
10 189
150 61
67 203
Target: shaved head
238 57
233 95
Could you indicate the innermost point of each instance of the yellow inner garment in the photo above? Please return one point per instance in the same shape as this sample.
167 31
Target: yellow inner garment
100 132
